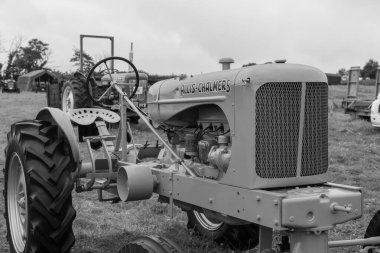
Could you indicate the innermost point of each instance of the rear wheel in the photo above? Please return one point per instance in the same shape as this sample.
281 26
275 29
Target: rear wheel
38 186
74 95
238 237
373 228
146 244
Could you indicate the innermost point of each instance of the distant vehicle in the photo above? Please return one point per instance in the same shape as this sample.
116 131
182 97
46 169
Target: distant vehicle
375 106
10 85
40 86
375 112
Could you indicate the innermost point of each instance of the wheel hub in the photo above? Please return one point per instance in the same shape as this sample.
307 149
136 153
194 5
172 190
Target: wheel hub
17 203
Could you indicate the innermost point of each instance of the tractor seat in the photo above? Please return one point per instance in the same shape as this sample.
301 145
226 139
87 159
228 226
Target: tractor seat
87 116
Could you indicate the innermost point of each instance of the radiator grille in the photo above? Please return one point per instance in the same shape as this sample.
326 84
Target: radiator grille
315 136
278 107
277 128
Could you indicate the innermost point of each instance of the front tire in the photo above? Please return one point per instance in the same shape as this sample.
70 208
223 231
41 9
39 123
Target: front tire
38 186
237 237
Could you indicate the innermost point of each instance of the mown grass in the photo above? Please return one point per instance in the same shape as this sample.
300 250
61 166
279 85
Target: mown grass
354 159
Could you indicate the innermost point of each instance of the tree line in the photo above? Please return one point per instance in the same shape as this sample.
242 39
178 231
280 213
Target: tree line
35 56
23 59
368 71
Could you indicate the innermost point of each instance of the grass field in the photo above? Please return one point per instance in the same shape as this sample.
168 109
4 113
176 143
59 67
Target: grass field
354 159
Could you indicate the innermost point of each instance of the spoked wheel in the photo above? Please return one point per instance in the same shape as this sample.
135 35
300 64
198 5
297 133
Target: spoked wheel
151 244
238 237
38 185
99 91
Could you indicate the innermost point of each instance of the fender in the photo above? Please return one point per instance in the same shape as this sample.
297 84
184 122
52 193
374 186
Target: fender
59 118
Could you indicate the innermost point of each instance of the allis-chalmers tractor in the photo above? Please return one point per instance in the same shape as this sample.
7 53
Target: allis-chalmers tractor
246 154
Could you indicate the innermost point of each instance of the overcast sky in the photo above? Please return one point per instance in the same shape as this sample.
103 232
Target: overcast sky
178 36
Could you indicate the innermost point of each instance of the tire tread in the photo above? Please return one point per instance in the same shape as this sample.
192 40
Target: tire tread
49 185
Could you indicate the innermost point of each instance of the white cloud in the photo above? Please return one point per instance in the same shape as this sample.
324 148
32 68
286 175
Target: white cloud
190 36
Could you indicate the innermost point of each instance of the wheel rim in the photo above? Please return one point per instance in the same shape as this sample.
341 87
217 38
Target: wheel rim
206 222
17 203
67 100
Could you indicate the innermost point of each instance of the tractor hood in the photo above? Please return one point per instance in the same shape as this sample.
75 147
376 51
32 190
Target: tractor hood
174 95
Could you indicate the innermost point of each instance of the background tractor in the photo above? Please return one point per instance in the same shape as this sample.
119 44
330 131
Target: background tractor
73 93
10 85
245 154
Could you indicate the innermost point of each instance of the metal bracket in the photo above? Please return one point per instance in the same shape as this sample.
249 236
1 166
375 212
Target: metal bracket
171 202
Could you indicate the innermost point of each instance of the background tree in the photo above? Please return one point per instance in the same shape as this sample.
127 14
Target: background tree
88 60
342 72
61 77
369 69
13 51
32 57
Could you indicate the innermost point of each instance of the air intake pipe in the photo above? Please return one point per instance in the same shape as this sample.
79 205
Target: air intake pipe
134 182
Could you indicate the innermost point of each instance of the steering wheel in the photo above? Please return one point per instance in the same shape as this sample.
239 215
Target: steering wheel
93 88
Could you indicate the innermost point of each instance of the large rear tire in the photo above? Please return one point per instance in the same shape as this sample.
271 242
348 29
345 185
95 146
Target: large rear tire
38 186
237 237
74 95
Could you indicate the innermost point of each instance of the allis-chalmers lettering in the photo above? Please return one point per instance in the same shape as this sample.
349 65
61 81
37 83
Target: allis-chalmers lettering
211 86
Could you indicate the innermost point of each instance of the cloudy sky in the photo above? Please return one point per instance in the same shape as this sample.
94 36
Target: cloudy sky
183 36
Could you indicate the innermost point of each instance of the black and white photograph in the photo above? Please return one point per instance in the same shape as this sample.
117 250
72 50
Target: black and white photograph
189 126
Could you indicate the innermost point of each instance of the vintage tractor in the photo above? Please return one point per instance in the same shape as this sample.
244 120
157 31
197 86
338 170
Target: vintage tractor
75 93
10 85
246 154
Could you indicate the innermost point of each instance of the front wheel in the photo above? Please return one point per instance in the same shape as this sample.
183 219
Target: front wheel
38 186
237 237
